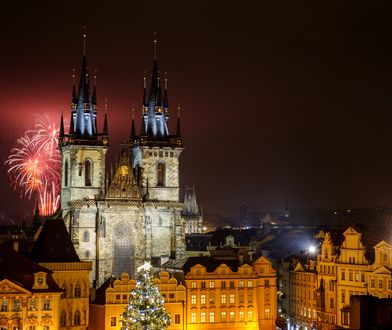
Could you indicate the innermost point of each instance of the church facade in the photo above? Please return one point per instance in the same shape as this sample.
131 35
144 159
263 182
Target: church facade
120 217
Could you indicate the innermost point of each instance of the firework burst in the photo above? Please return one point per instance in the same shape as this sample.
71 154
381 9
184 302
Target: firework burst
34 166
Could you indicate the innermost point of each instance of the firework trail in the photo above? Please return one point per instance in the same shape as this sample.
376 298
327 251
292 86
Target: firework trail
34 166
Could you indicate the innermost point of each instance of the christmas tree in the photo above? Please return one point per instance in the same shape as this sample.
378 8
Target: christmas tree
146 310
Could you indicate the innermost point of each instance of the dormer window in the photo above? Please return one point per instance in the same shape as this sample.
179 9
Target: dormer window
40 281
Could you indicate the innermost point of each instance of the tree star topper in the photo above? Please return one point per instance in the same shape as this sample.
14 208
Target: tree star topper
145 267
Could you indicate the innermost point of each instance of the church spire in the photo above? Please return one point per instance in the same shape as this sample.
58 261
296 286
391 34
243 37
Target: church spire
94 95
133 131
61 130
105 123
165 97
74 98
178 132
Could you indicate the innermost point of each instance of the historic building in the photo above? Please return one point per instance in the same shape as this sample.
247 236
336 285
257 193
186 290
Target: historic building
191 213
54 251
227 298
345 268
120 217
29 296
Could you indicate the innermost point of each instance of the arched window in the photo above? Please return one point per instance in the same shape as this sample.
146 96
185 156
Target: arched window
77 290
161 174
87 172
65 291
86 236
77 318
63 319
66 173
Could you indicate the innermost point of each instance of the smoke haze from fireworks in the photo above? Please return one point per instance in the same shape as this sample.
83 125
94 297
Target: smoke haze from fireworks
34 165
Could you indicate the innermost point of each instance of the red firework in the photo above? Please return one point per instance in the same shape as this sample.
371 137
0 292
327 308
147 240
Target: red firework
34 166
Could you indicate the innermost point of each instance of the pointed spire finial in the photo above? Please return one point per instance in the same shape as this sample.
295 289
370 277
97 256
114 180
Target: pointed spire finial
95 76
178 133
155 45
106 105
73 76
84 39
178 110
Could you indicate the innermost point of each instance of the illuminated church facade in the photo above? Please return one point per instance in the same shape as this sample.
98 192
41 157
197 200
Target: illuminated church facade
120 217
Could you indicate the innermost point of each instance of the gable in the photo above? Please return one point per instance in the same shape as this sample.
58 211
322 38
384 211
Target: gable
383 244
9 287
382 270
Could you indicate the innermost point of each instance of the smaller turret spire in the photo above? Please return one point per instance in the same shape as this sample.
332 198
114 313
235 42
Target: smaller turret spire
105 123
94 95
74 98
155 45
178 133
84 40
165 97
133 131
61 130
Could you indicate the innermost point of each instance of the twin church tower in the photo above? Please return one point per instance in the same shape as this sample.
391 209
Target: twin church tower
119 218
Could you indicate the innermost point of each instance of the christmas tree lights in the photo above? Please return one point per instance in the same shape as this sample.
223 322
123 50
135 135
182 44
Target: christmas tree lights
146 310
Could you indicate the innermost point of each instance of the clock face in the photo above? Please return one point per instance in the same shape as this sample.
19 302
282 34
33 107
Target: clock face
123 170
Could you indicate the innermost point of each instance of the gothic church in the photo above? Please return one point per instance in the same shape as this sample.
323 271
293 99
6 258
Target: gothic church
121 217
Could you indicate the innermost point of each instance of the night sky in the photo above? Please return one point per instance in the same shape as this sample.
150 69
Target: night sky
289 101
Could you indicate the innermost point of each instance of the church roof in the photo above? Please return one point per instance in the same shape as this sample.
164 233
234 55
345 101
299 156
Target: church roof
54 244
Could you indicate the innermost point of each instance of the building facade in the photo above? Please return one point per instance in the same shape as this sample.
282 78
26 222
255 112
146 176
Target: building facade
29 296
120 217
226 299
344 269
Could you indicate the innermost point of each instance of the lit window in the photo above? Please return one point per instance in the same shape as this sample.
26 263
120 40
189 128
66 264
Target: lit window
241 284
241 316
212 298
33 304
46 305
212 284
223 316
350 275
113 321
193 285
212 317
78 291
77 318
250 315
267 313
232 298
193 299
250 297
203 299
4 306
203 317
231 316
356 276
63 319
193 317
250 284
16 305
223 299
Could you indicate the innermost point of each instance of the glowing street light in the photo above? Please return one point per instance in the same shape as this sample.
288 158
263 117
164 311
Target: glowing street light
312 249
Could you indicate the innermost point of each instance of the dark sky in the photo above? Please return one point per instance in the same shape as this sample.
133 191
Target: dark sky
288 101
